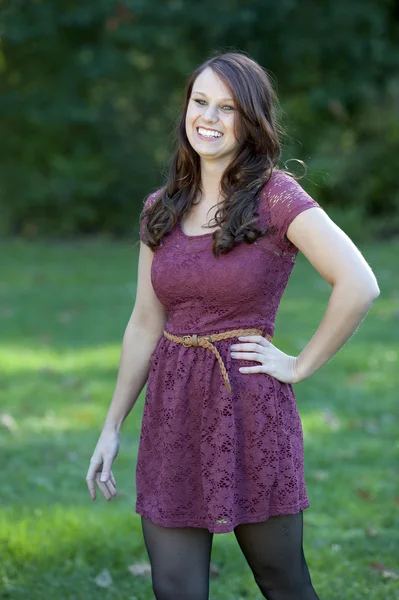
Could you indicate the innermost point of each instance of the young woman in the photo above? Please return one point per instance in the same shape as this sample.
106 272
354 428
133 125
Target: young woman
221 446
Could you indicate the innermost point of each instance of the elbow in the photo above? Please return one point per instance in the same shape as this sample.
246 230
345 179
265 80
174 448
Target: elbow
367 290
373 289
371 292
376 292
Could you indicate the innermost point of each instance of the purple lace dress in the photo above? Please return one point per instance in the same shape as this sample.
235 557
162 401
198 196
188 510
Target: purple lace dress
208 458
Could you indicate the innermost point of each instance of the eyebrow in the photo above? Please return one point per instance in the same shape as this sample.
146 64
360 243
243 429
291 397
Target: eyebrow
202 94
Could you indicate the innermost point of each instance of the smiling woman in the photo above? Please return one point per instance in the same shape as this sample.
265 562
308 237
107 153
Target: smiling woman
221 443
210 118
228 145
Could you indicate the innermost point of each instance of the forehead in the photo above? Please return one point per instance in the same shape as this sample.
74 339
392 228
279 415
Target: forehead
210 84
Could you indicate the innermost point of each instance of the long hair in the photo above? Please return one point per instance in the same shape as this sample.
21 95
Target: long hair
257 155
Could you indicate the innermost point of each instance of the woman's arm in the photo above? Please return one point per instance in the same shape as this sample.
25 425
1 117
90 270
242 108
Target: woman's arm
355 287
143 330
138 344
139 341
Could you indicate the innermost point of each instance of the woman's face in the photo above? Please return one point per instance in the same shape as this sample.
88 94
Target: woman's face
210 118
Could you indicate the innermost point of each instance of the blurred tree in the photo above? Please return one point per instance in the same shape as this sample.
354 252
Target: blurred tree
89 94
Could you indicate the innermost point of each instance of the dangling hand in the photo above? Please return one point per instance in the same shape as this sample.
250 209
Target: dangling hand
99 471
272 361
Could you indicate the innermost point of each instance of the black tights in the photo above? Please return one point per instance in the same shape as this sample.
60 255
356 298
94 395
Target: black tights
180 559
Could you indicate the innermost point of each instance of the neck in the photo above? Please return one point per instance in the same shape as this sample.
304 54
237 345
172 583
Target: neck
211 175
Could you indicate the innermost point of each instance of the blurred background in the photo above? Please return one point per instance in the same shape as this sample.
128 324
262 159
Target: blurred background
89 97
90 93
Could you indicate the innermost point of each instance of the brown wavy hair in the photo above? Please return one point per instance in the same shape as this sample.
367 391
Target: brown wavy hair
257 155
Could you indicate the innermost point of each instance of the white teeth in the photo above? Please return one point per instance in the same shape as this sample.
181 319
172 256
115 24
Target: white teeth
208 133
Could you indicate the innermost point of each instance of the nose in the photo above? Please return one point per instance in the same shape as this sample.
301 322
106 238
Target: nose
210 114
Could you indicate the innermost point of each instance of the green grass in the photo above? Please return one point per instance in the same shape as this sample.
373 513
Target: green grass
63 309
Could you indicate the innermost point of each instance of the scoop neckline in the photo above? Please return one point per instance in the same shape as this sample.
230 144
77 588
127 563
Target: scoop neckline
200 235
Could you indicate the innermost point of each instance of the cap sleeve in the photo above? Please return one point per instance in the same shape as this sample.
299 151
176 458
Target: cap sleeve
285 199
148 202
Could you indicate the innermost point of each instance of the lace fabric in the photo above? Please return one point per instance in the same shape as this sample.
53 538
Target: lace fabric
208 458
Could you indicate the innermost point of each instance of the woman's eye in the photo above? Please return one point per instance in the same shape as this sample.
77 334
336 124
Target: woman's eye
201 102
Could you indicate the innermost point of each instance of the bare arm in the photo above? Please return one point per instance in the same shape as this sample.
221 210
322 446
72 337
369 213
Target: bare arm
142 333
342 265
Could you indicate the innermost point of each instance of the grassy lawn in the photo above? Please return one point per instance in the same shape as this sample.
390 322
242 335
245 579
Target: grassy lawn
63 309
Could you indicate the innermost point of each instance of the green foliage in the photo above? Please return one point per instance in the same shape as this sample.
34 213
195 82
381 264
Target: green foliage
89 94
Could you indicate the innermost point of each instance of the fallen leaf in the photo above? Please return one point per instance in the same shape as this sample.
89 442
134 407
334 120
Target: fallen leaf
386 573
104 579
213 570
371 532
365 494
319 475
389 574
140 568
8 422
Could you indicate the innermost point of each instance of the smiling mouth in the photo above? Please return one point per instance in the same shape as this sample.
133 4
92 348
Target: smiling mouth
209 134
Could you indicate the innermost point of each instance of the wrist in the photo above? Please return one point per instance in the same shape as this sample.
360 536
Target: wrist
300 371
111 427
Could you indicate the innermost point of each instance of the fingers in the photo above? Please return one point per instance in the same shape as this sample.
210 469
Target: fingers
106 472
247 356
111 488
90 478
102 486
254 346
107 488
112 479
257 369
104 480
256 339
110 483
92 489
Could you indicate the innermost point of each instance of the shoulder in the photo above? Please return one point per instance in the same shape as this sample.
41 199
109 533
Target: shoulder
282 199
279 182
151 198
148 202
283 190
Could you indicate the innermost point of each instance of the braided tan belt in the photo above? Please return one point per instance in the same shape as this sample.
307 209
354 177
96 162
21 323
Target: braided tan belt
205 341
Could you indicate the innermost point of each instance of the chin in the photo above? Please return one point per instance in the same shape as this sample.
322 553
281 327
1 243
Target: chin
201 151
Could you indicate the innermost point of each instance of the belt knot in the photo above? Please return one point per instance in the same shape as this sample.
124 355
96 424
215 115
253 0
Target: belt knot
206 341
